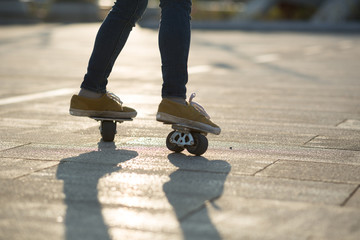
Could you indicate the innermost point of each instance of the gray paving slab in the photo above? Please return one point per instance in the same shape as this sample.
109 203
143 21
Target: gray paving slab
254 219
13 168
43 152
16 229
289 190
324 172
282 152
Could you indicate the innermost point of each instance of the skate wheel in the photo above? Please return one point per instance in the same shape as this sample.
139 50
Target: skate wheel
172 146
200 144
108 130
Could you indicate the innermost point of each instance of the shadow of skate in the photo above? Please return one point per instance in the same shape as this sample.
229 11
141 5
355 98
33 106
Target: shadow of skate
81 175
195 183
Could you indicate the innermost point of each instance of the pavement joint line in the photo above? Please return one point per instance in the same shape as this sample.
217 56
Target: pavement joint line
332 148
310 140
265 167
200 171
350 196
201 207
87 163
194 211
47 144
28 174
311 180
31 159
22 145
336 125
35 96
330 163
288 201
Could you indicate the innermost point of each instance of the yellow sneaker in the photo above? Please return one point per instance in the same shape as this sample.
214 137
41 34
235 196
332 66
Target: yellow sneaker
191 114
109 105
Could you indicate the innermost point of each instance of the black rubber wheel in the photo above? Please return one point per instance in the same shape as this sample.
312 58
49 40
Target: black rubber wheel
200 144
172 146
108 130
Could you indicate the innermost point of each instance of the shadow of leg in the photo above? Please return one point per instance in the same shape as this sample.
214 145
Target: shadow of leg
81 174
195 183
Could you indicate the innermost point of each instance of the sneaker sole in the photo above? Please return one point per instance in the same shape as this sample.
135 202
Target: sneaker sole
107 114
170 119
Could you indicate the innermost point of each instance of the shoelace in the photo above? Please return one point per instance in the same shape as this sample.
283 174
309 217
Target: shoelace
114 97
197 106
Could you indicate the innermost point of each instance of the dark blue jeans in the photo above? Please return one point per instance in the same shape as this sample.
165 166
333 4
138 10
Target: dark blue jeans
174 44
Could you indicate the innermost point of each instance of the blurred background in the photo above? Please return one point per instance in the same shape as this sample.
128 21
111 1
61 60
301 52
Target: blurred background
326 11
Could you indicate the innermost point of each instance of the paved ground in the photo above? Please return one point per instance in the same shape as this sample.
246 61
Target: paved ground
286 166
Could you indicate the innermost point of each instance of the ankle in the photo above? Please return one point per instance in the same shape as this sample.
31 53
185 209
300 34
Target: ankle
89 94
177 100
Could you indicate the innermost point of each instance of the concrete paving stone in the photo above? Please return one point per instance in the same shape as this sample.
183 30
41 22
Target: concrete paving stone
45 124
31 229
26 190
45 152
336 142
287 190
287 126
13 168
315 171
236 218
51 136
141 220
305 104
22 209
281 152
262 136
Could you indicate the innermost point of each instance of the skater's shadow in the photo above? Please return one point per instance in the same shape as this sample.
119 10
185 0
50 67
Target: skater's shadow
196 183
81 175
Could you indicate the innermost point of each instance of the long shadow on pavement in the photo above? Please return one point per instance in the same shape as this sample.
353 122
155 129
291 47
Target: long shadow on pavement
81 175
197 182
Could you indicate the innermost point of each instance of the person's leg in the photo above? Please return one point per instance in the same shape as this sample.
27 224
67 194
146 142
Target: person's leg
174 44
109 42
93 99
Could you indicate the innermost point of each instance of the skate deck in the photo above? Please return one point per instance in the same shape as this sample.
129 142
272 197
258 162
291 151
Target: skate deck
120 120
